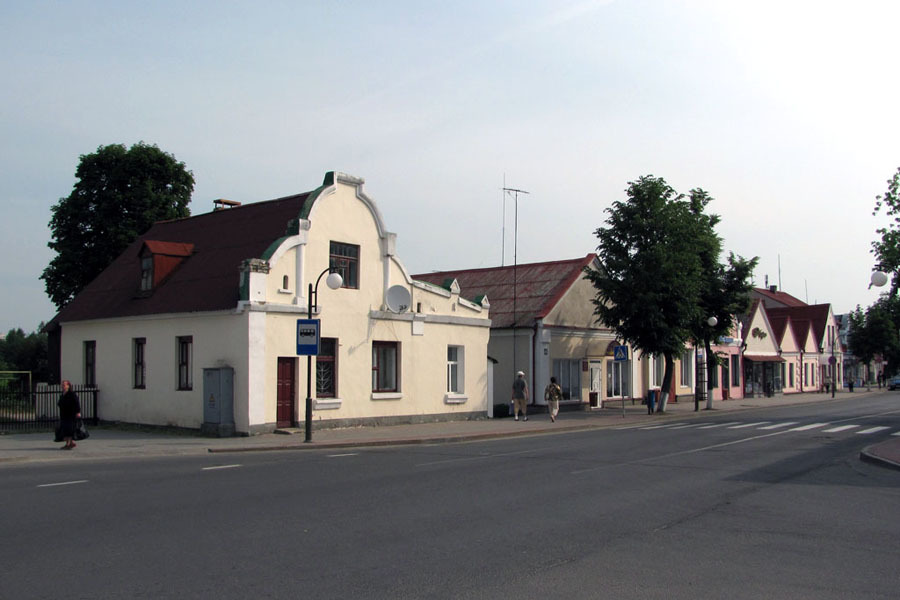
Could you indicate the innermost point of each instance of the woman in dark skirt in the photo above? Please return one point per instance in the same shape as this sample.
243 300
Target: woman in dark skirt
69 413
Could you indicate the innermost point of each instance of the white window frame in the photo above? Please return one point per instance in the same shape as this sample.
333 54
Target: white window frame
456 375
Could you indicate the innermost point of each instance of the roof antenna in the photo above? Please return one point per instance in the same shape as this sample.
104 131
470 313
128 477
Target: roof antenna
515 191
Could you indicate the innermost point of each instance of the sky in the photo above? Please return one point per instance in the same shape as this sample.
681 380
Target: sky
784 111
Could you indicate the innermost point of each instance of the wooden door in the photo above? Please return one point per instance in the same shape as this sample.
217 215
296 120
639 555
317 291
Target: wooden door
287 388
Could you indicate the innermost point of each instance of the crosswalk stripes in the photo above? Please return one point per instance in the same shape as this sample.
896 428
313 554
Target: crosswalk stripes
779 425
840 428
770 426
810 426
872 430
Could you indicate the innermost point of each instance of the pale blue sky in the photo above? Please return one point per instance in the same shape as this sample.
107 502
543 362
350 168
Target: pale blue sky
785 112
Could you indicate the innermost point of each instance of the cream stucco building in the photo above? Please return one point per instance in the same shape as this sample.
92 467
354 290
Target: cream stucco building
220 295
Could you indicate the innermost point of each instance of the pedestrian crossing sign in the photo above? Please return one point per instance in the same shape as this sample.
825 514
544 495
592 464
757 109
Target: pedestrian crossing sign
620 353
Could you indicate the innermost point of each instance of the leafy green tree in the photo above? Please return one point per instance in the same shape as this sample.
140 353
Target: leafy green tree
20 352
887 249
724 288
651 275
873 333
119 193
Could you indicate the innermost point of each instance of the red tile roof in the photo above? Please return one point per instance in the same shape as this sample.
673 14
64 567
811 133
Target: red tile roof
532 289
207 279
815 314
783 299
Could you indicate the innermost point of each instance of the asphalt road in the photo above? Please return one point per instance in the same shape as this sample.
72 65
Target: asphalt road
762 504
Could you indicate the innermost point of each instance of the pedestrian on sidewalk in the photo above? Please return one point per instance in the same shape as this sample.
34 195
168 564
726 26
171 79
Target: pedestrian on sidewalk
69 413
520 396
552 396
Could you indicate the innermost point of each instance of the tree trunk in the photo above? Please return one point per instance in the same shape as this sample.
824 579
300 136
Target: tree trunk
666 384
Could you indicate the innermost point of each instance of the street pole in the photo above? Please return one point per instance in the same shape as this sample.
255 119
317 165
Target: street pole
334 283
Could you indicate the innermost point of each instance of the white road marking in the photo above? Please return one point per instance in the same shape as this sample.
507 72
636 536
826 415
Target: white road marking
871 430
63 483
662 426
840 428
810 426
685 426
342 455
720 425
749 425
217 467
896 434
779 425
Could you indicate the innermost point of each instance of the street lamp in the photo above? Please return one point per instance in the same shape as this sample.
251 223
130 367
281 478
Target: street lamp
334 281
878 279
703 369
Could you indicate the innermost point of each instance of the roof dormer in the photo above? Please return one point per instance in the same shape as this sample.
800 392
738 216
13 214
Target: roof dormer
158 260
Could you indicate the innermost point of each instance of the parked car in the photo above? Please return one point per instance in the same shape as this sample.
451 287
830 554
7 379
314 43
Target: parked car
894 382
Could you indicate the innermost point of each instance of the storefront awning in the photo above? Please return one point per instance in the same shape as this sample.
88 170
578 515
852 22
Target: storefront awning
763 358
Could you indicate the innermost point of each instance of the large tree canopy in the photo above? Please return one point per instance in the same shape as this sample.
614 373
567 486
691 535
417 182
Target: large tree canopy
119 193
887 249
660 278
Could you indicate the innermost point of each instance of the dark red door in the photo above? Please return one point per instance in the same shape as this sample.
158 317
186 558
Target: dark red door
287 368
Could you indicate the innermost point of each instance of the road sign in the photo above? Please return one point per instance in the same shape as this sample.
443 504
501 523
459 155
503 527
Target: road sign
620 353
307 337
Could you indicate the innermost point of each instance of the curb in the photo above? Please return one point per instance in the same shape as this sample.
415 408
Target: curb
867 455
445 439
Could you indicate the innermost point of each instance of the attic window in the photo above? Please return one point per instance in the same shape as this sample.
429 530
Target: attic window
146 273
159 260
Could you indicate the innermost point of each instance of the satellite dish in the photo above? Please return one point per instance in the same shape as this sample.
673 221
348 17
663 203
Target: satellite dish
398 298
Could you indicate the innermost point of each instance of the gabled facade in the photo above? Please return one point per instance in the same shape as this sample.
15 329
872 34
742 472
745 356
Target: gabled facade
543 324
791 352
222 292
823 331
761 360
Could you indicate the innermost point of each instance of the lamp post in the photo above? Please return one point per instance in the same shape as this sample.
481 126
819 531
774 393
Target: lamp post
703 369
334 281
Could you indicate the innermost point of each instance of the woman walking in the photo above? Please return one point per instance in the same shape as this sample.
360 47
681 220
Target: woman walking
552 396
69 413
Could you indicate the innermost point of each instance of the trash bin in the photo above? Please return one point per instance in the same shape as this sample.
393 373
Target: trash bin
651 401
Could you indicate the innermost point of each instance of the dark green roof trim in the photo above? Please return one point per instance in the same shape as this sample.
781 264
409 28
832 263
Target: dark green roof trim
313 195
293 227
273 247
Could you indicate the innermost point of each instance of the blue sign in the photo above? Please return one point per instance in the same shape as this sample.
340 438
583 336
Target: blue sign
620 353
307 337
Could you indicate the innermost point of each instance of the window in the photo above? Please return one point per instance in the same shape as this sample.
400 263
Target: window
385 372
805 374
568 376
687 368
714 375
791 375
455 369
185 349
344 259
657 370
146 273
90 363
140 369
326 368
735 370
284 283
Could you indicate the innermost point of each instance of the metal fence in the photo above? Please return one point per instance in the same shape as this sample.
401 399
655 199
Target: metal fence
21 410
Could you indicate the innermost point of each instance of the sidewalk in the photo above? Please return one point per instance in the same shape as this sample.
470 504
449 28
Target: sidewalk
109 442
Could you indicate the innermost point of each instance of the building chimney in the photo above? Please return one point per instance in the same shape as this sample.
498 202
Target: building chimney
773 288
222 204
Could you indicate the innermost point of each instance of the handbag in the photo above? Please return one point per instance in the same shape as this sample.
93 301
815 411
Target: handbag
80 432
57 437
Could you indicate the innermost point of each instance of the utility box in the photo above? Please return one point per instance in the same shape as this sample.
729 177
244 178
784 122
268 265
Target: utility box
218 402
